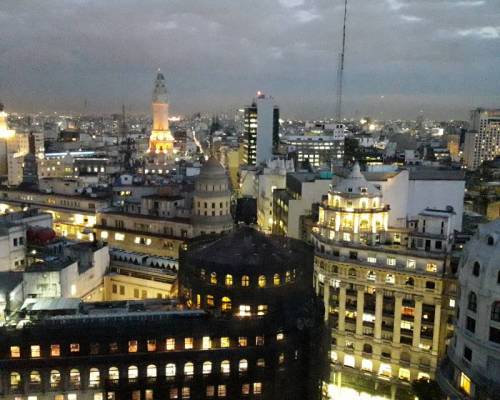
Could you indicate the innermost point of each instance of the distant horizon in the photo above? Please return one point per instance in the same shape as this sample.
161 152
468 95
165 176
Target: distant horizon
442 61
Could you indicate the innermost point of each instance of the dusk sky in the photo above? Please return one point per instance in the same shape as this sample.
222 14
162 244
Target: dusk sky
403 56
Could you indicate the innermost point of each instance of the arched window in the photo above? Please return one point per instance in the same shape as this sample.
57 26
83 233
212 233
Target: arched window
495 311
352 272
74 377
113 374
55 378
243 366
276 280
35 377
225 367
367 348
490 241
371 276
472 304
245 281
476 268
410 282
226 304
189 369
151 371
15 380
170 370
213 278
389 278
262 281
207 368
229 280
133 372
94 377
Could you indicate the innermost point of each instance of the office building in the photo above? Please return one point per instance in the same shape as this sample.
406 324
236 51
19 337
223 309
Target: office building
482 142
473 365
387 292
261 130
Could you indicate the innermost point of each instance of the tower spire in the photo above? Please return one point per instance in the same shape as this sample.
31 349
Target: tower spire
340 72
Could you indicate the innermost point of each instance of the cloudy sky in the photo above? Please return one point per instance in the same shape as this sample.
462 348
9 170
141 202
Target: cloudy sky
439 57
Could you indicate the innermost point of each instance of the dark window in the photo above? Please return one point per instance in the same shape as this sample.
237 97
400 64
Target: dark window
410 282
475 269
498 277
439 244
353 255
103 222
15 241
491 241
467 353
470 324
367 348
430 285
122 290
495 311
472 302
495 335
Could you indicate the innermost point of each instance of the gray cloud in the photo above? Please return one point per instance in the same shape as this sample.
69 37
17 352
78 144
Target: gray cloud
441 56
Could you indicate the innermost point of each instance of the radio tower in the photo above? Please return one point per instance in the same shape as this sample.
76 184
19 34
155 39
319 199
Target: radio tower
340 72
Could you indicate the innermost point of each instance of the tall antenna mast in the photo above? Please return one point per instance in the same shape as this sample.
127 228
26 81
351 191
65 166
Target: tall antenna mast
340 72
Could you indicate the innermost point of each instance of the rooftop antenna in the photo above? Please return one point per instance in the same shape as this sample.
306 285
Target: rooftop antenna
340 71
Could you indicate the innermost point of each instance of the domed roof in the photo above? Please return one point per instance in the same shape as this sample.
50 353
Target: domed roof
484 249
212 169
247 249
356 184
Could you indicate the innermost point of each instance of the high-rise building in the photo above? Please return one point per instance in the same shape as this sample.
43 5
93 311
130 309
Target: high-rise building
261 130
161 141
482 142
386 290
473 365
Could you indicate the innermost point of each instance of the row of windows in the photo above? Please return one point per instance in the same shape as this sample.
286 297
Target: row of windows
245 279
495 307
152 345
476 270
243 310
113 373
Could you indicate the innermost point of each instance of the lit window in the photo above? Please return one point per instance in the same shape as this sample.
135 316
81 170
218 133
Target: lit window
35 351
221 391
229 280
288 277
262 281
55 378
213 278
55 350
74 377
243 365
210 300
206 343
349 361
411 264
224 341
257 388
174 393
207 368
366 365
404 374
189 369
385 370
465 383
151 371
259 340
261 363
242 341
210 391
371 276
188 343
245 281
186 392
170 370
170 344
389 278
151 345
281 358
372 259
280 336
226 304
15 380
431 267
452 303
276 280
245 389
391 261
119 236
113 374
15 351
245 311
346 237
35 377
132 346
94 377
225 367
133 372
262 309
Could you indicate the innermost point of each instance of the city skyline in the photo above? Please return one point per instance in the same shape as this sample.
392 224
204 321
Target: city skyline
403 58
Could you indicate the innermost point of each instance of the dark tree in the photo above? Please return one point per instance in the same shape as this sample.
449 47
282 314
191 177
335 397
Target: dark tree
426 389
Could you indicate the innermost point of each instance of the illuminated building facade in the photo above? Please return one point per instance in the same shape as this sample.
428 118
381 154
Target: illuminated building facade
482 143
161 141
386 291
157 349
473 365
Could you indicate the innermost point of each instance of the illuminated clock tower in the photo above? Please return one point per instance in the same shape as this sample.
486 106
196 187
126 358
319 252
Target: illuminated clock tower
161 141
